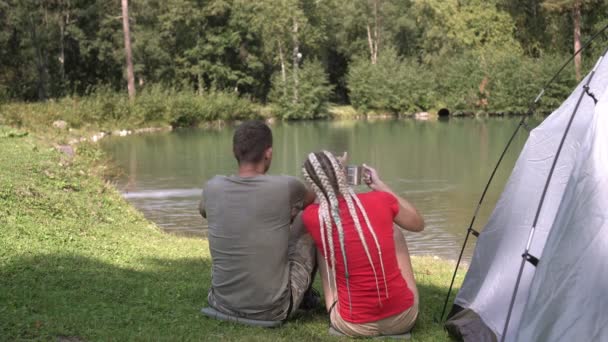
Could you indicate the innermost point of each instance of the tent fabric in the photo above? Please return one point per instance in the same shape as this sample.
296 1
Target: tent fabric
568 299
488 286
466 325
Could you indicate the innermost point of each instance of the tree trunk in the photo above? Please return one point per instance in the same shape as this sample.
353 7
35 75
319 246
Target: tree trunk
373 38
576 18
129 60
296 60
64 21
199 83
376 35
370 43
283 71
62 50
40 62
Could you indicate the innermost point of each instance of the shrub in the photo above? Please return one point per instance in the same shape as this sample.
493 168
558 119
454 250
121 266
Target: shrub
313 91
490 81
151 104
457 82
187 109
106 110
393 84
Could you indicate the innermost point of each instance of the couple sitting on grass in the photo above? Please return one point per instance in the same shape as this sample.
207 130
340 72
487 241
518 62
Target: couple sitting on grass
265 250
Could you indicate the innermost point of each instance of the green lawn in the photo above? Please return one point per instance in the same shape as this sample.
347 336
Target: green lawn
78 263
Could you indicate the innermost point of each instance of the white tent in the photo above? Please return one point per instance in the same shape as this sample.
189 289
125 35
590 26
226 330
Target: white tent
563 297
568 299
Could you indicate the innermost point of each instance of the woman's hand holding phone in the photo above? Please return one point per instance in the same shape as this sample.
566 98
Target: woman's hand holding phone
371 178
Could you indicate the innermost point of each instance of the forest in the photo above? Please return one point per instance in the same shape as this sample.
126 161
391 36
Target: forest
187 61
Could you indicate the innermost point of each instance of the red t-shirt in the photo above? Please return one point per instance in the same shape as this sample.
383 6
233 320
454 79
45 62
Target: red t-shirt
381 208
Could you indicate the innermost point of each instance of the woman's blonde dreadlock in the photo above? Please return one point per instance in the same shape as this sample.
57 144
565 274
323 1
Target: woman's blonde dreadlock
349 195
334 211
331 275
327 179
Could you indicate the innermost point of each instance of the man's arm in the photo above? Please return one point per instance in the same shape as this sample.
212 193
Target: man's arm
408 217
299 195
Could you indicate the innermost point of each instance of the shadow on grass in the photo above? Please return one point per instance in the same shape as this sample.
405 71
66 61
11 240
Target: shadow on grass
75 297
63 295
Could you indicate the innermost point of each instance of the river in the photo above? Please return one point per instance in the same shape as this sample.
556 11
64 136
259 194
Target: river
440 166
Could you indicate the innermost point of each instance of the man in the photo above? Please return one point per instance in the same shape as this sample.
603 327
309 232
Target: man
262 258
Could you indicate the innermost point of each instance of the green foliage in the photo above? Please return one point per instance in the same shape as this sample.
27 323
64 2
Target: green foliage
497 82
455 27
105 109
212 47
189 109
306 98
64 48
393 84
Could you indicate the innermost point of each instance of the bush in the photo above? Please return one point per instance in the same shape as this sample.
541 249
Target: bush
557 92
457 82
151 104
313 91
393 84
490 81
187 109
106 110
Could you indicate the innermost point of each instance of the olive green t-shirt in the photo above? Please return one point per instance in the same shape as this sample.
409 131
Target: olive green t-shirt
249 221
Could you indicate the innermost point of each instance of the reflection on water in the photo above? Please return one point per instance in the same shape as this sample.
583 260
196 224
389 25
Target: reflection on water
441 167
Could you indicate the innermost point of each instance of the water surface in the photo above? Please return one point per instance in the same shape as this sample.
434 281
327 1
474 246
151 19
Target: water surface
440 166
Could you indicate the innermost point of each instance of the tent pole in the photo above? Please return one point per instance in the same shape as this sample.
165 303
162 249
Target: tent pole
522 122
542 198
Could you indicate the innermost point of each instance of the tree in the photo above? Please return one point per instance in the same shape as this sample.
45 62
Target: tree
128 54
575 7
531 21
288 30
453 27
313 89
210 46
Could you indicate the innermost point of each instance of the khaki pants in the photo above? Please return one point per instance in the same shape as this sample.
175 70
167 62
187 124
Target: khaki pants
394 325
302 263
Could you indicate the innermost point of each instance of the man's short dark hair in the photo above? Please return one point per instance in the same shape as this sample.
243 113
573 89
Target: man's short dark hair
251 139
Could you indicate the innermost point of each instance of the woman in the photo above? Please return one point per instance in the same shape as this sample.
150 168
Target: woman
367 274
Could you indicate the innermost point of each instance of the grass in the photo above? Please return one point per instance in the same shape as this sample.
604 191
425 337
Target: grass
79 263
107 110
343 112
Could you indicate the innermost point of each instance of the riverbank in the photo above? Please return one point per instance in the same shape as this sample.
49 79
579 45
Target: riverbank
78 263
89 119
107 110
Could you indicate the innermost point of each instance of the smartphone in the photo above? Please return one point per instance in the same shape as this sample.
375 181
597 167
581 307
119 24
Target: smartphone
354 174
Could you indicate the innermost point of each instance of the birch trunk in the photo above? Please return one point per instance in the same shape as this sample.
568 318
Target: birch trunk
296 59
576 18
373 37
128 56
283 69
376 36
62 49
370 43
